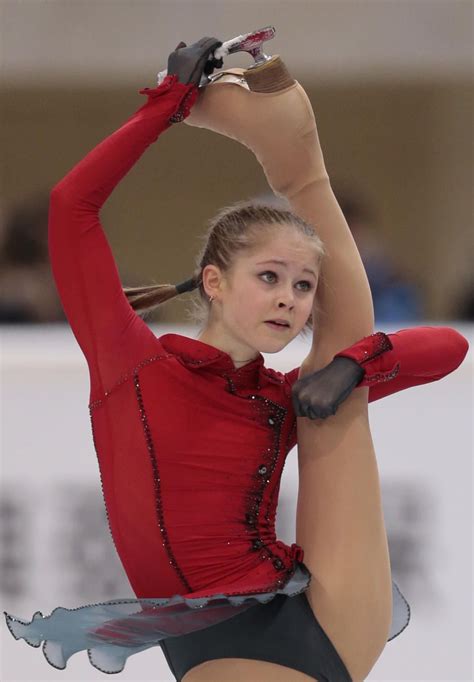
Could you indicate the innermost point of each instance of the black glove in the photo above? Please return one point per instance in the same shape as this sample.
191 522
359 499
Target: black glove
189 63
318 395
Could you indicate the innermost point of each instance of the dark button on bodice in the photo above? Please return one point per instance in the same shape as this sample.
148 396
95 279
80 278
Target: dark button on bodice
262 469
278 563
257 544
250 519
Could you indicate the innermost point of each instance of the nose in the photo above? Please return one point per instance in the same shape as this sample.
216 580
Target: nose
286 298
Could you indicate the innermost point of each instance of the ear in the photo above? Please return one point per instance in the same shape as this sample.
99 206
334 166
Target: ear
211 279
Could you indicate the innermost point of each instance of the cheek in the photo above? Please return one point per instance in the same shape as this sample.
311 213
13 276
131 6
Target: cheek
250 302
308 310
311 300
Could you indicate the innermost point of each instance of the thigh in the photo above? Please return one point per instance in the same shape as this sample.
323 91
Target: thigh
233 669
340 526
274 638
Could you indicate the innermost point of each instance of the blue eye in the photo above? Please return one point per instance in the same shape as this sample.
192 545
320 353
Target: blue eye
269 272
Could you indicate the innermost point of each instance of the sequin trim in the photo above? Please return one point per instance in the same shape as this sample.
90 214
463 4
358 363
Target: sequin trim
157 483
272 375
184 108
101 481
188 360
269 374
380 377
381 344
268 412
161 89
291 435
125 377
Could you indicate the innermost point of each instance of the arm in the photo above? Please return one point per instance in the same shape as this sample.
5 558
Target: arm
386 363
107 329
422 354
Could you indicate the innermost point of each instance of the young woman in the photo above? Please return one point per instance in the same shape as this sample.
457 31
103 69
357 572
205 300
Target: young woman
192 434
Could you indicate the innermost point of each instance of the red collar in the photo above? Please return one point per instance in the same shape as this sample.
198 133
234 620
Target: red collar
196 354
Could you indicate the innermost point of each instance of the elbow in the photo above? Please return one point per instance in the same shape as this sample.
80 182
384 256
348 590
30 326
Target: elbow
61 207
65 191
58 194
455 347
54 203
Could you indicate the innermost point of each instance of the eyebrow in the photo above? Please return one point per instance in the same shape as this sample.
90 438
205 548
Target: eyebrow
282 262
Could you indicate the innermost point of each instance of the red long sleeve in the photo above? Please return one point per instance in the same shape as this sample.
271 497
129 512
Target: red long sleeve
425 354
111 335
419 356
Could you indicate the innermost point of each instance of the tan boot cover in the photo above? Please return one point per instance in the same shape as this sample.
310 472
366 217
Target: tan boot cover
278 127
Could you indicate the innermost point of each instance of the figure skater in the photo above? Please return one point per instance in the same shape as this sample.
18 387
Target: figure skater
192 435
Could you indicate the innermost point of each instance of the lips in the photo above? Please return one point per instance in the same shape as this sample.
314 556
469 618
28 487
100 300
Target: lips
283 323
277 325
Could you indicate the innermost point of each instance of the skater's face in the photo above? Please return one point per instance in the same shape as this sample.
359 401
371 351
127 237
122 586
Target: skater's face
255 290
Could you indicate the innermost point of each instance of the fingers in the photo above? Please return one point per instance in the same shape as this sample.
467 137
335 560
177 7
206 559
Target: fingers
307 409
212 64
211 43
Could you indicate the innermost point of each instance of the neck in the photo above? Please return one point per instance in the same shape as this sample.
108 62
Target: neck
207 337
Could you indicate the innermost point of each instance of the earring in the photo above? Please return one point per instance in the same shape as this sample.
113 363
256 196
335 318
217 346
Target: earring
211 298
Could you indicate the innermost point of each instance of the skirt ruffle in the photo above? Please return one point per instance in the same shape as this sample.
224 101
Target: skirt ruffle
112 631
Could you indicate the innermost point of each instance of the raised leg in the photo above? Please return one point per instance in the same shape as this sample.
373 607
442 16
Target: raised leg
279 127
340 522
341 528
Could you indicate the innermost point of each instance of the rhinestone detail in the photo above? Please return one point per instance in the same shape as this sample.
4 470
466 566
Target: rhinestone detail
271 414
101 480
381 344
381 377
184 108
157 484
125 377
275 420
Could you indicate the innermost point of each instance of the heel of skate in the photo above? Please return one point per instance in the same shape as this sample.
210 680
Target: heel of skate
270 76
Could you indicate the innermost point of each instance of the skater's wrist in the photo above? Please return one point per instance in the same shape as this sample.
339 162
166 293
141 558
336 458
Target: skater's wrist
374 354
181 97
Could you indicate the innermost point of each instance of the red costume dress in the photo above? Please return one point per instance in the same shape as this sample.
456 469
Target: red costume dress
190 449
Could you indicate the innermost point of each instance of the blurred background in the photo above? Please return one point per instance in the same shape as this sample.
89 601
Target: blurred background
390 82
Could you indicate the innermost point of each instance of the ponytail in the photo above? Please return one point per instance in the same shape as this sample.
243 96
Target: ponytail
146 298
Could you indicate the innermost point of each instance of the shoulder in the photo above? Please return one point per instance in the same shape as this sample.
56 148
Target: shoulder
292 375
285 379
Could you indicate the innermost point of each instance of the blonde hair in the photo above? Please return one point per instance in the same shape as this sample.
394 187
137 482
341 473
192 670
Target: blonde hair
235 230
